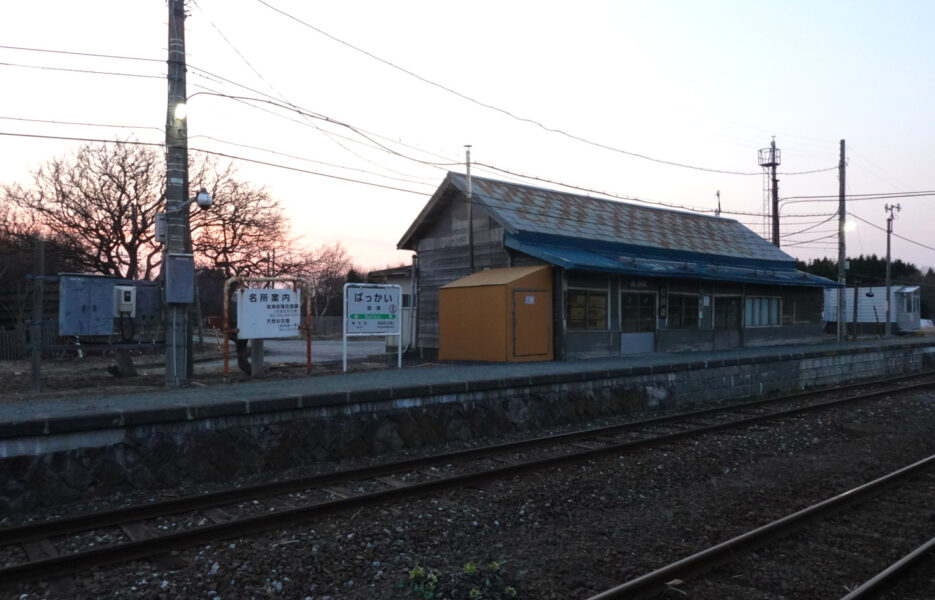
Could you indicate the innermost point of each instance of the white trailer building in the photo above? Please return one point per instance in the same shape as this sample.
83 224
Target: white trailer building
871 308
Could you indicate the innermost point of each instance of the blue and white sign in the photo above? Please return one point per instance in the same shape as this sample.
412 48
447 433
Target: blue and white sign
371 309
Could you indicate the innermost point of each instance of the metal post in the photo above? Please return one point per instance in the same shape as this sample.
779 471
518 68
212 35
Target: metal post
35 327
841 248
855 308
470 211
775 162
888 329
177 233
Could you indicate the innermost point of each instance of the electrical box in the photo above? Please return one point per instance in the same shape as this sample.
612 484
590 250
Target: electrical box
180 278
161 228
125 301
86 305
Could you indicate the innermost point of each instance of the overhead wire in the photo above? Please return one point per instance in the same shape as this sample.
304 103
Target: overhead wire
84 71
282 96
214 153
894 234
73 53
518 117
82 124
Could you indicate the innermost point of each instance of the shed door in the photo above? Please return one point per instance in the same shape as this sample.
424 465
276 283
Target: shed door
532 316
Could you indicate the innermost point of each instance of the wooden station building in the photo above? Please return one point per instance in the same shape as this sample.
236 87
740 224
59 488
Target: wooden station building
570 276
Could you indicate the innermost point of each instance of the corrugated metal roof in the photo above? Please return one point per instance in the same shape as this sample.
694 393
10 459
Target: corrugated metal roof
494 277
522 208
603 259
580 232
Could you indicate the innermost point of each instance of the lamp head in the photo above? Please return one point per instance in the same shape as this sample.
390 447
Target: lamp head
204 199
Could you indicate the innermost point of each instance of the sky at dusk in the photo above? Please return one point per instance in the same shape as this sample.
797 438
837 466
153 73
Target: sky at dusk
659 101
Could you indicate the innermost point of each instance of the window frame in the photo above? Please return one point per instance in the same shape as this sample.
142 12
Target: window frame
753 312
681 308
653 311
589 293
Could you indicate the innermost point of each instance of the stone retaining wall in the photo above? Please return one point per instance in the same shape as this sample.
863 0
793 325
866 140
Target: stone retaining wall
80 465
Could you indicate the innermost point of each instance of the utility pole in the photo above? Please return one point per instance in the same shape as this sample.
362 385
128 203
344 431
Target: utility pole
842 212
470 210
769 158
890 208
177 280
775 195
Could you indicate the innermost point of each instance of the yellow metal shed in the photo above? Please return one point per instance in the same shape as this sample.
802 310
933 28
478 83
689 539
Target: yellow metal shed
497 315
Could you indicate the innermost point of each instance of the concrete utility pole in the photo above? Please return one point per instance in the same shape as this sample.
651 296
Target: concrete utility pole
842 256
775 195
889 233
175 276
470 210
769 158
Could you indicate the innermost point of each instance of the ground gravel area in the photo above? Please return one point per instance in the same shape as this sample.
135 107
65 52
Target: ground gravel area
567 532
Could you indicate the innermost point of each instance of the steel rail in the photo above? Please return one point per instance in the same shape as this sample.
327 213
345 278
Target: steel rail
655 583
892 574
126 551
88 521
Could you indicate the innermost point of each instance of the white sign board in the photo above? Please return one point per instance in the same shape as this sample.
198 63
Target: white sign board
372 309
265 314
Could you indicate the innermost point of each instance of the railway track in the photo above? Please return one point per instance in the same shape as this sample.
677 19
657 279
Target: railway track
59 547
847 538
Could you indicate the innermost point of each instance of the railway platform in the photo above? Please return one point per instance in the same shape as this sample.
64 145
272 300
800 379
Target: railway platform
93 444
93 411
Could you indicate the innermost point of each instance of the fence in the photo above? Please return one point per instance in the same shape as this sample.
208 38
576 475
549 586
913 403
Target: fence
15 344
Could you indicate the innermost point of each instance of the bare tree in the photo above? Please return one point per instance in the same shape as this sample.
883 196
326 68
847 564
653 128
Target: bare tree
102 203
326 267
245 232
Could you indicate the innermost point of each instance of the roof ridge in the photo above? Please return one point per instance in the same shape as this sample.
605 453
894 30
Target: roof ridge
611 201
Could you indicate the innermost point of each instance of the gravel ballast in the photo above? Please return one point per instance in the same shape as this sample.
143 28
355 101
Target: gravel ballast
568 532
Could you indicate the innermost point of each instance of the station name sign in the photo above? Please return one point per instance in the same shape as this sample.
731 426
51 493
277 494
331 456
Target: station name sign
372 309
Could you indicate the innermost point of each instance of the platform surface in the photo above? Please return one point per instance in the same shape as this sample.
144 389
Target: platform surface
88 412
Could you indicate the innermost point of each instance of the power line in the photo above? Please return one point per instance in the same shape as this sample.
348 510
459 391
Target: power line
86 71
517 117
54 122
73 53
258 148
818 239
311 160
325 118
874 196
281 95
628 198
299 109
895 234
818 224
214 153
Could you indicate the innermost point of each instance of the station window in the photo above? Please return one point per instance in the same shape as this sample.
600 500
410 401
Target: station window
586 309
761 311
637 312
683 311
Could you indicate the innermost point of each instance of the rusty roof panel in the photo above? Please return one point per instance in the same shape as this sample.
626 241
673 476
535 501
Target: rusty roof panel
522 208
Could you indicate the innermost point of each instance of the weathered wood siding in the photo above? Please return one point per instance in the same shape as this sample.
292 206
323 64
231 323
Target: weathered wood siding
443 258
